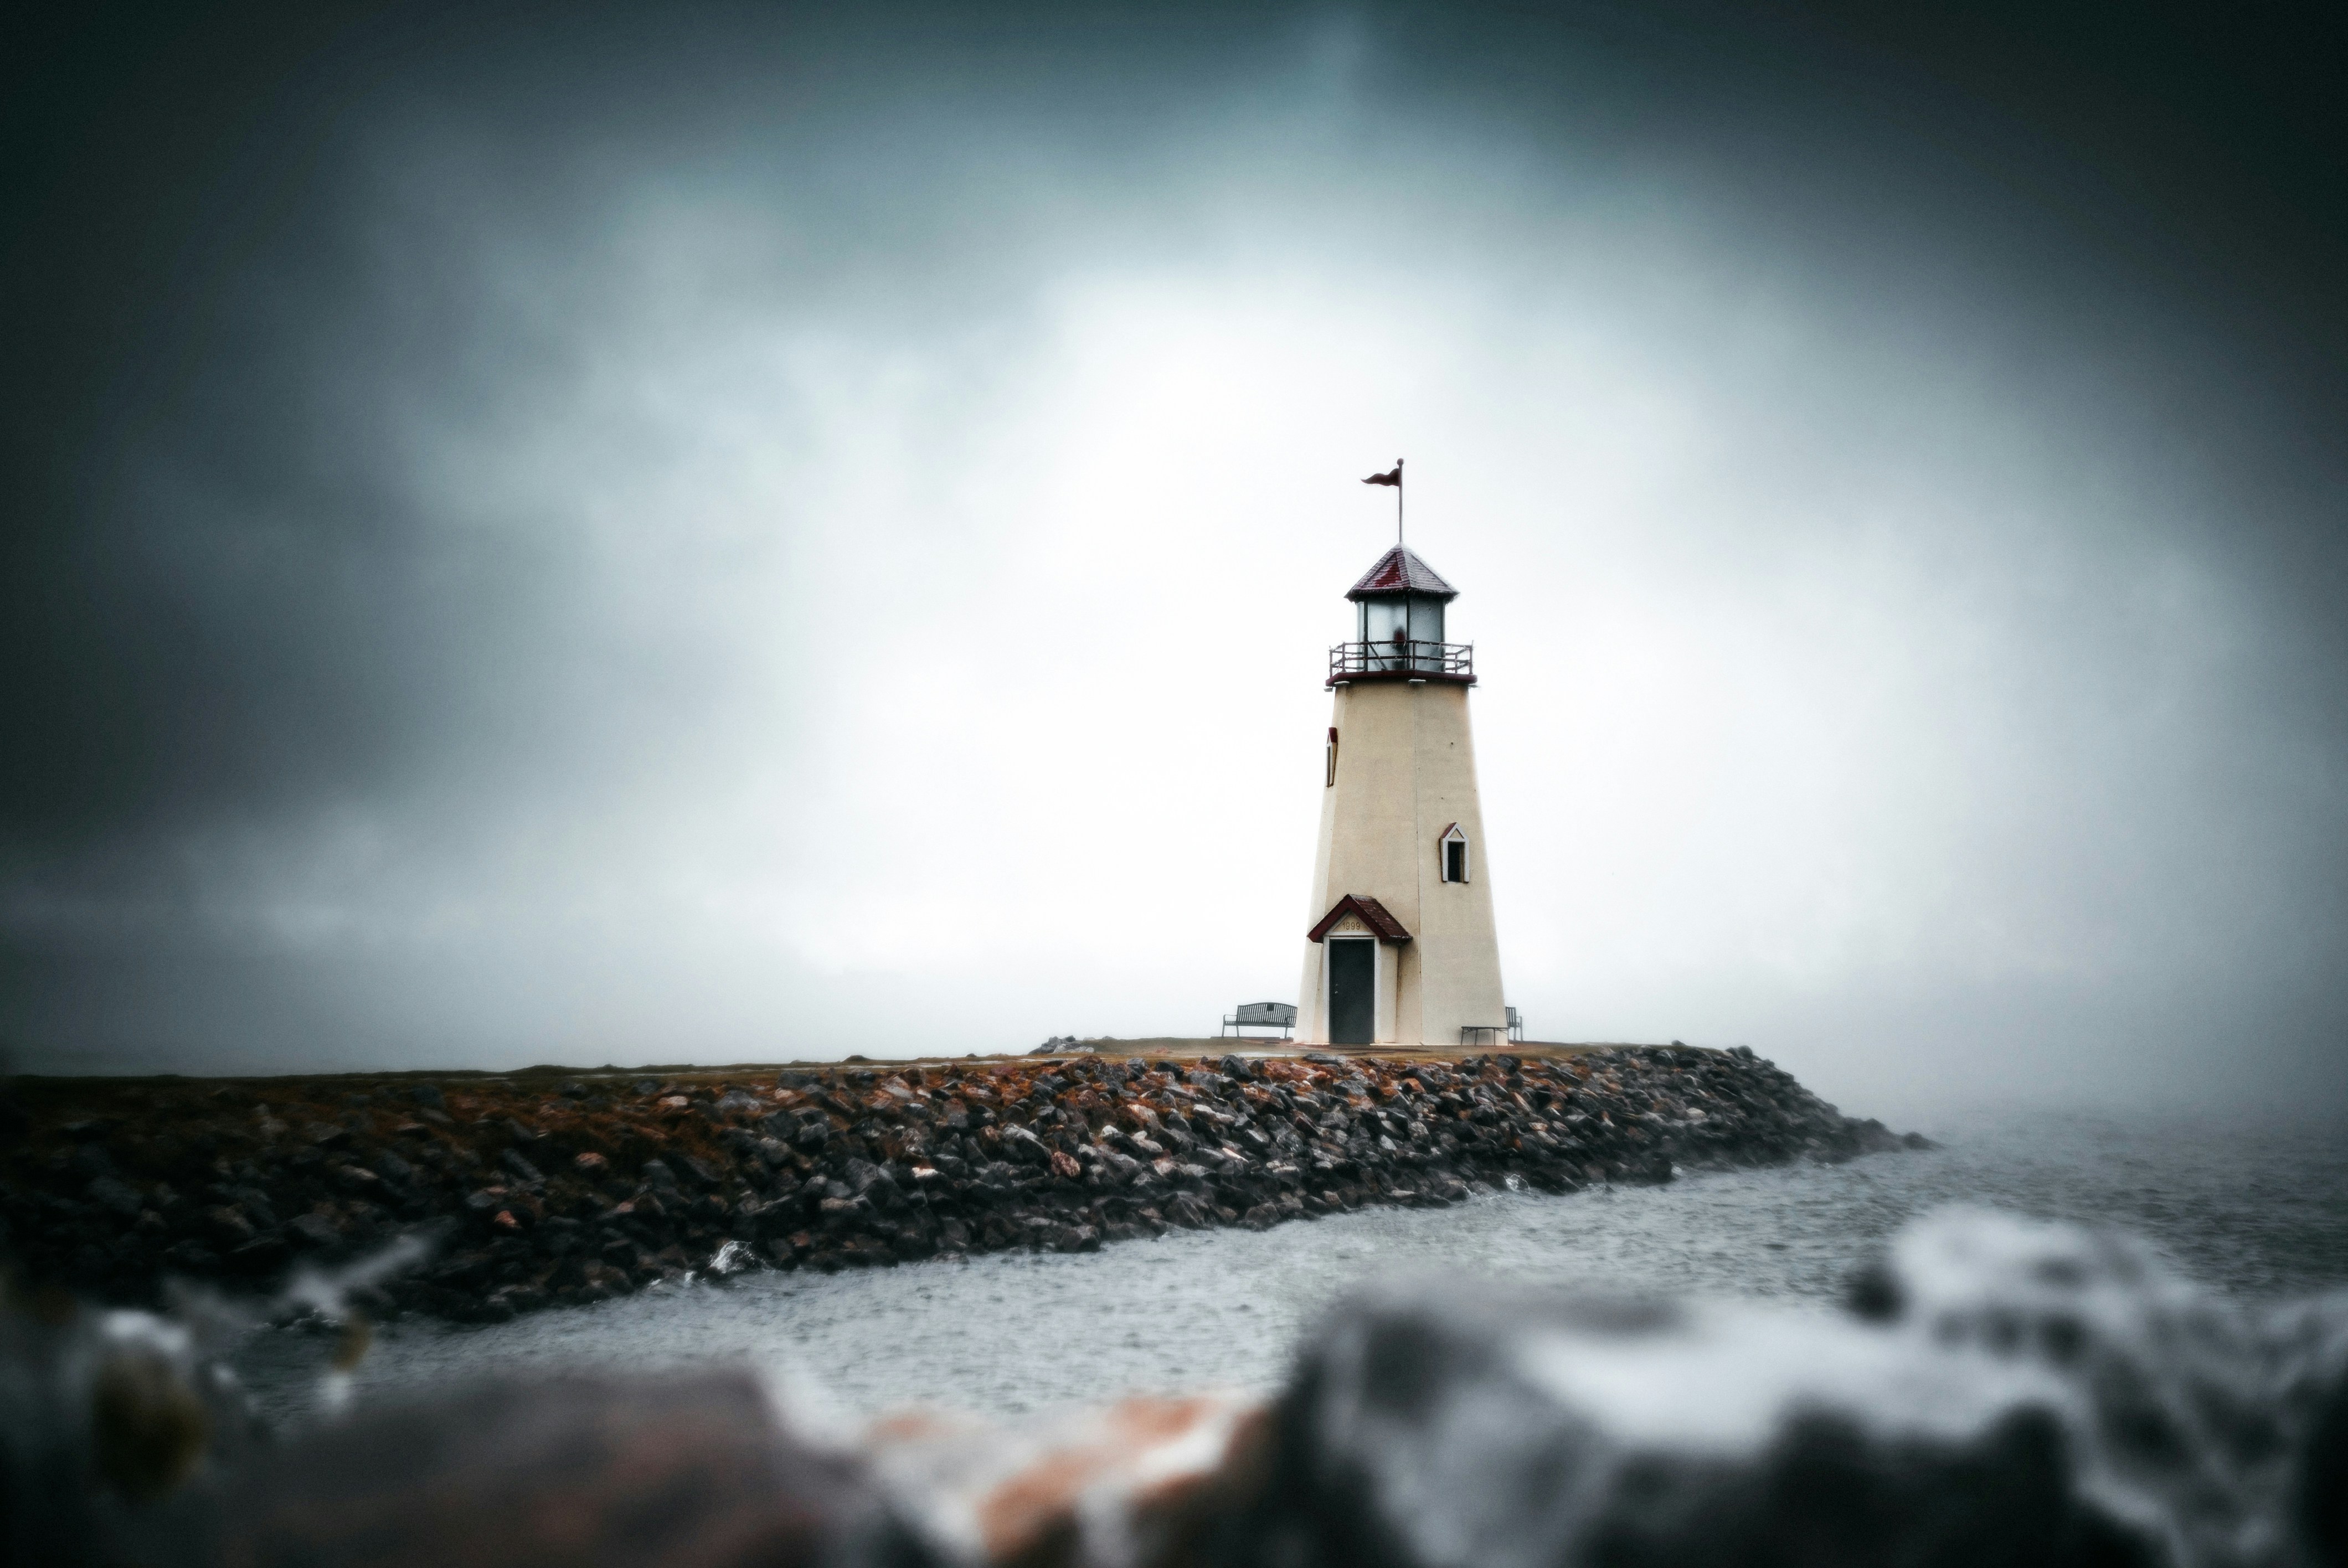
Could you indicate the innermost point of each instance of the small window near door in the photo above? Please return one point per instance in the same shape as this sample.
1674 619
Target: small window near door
1454 854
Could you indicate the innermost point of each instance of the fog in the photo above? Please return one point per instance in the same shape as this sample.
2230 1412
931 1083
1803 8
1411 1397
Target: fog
757 537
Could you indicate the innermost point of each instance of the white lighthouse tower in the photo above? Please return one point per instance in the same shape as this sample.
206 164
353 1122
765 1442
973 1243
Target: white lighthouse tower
1401 950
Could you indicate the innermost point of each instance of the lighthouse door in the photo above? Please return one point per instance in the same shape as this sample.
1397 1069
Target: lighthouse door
1353 991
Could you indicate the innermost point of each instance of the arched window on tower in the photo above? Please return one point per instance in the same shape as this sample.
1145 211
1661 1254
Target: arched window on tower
1451 855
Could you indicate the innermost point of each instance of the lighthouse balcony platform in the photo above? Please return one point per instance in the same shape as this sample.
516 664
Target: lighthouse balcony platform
1401 660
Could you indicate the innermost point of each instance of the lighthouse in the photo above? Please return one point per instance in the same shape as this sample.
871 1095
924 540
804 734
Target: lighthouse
1401 949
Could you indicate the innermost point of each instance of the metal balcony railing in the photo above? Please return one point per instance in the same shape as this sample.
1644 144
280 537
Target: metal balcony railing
1398 659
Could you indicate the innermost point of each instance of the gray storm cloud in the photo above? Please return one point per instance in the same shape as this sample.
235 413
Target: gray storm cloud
678 552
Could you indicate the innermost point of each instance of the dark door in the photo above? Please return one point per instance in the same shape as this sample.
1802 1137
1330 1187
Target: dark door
1353 991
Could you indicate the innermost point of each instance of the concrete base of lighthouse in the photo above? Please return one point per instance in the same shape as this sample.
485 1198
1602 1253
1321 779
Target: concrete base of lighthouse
1402 781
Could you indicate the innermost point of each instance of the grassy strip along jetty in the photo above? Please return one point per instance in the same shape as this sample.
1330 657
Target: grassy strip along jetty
553 1186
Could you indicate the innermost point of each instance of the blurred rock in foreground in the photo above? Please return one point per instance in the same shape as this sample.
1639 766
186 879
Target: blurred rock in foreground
1998 1393
2001 1393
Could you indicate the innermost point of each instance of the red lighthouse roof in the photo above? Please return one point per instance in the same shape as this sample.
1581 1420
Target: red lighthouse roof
1398 574
1373 914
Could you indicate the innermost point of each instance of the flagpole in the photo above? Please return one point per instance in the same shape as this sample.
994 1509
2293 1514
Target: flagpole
1393 478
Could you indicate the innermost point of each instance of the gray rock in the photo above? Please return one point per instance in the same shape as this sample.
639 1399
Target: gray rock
190 1256
256 1206
358 1180
2004 1394
261 1256
1187 1212
112 1193
313 1230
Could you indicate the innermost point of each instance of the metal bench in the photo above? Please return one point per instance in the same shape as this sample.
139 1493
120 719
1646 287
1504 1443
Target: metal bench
1280 1016
1483 1033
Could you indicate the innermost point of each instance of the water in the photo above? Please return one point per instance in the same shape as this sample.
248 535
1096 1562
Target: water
2257 1211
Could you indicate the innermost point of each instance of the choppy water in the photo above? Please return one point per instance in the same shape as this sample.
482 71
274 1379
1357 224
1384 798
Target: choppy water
2255 1211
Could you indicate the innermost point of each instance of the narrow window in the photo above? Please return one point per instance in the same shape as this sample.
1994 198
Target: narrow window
1452 867
1332 782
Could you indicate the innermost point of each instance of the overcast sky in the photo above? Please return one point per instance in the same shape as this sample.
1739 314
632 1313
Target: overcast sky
545 534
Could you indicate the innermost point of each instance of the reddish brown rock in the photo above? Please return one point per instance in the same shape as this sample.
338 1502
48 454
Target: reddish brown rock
1138 1483
685 1471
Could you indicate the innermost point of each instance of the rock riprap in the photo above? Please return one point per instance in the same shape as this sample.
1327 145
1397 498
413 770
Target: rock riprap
550 1188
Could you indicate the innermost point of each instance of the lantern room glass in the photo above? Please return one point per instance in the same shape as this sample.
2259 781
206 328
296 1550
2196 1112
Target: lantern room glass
1417 619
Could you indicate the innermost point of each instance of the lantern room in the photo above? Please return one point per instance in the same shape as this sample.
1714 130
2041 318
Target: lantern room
1399 611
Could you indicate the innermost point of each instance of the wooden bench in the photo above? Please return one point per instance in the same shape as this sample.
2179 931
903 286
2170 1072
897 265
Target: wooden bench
1493 1033
1280 1016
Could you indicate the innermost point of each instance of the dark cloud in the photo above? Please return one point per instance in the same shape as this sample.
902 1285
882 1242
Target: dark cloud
351 328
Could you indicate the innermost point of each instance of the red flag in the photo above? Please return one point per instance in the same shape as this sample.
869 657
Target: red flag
1391 477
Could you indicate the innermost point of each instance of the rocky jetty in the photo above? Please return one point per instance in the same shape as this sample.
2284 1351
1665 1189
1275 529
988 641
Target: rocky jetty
552 1187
